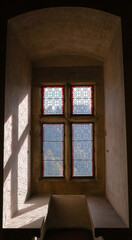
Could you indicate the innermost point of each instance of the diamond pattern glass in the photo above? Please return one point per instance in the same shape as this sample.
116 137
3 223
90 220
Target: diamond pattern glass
53 100
82 100
82 150
53 148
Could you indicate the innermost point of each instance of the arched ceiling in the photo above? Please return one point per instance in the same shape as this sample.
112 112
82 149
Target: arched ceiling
64 31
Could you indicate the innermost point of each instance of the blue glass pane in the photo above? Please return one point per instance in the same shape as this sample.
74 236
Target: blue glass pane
82 169
82 149
53 100
53 92
81 106
82 132
53 106
53 168
53 132
53 151
82 92
82 100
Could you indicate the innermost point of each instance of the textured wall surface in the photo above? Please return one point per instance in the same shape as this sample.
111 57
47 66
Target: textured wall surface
115 126
65 31
16 128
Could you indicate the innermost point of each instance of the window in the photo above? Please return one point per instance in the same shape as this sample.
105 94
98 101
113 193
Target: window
53 150
82 100
53 100
69 108
82 150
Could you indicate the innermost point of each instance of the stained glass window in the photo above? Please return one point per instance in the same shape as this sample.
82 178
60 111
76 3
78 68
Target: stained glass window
82 100
82 150
53 100
82 133
53 148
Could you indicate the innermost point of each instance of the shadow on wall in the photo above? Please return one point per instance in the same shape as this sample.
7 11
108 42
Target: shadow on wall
69 218
16 160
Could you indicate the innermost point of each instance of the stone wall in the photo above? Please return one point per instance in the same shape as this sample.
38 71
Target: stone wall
115 126
16 128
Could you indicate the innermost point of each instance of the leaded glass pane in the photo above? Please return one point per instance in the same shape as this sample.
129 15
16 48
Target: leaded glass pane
53 148
53 100
82 132
82 169
53 132
82 150
82 100
53 168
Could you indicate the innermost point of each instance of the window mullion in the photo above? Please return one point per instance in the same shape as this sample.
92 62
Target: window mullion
67 132
82 119
53 119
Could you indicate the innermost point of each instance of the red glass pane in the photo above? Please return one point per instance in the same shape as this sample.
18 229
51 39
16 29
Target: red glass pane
53 100
82 100
82 150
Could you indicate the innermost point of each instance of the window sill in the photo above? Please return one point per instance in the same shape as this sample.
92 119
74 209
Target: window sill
73 179
103 214
83 179
52 179
35 209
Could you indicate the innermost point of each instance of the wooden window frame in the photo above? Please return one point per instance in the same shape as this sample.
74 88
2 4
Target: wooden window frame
67 118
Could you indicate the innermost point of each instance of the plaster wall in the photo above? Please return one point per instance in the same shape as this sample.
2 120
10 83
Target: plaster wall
58 31
115 140
16 182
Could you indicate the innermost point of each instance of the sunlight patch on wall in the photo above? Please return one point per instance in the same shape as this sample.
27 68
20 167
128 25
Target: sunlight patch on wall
22 116
7 140
28 217
22 173
7 199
